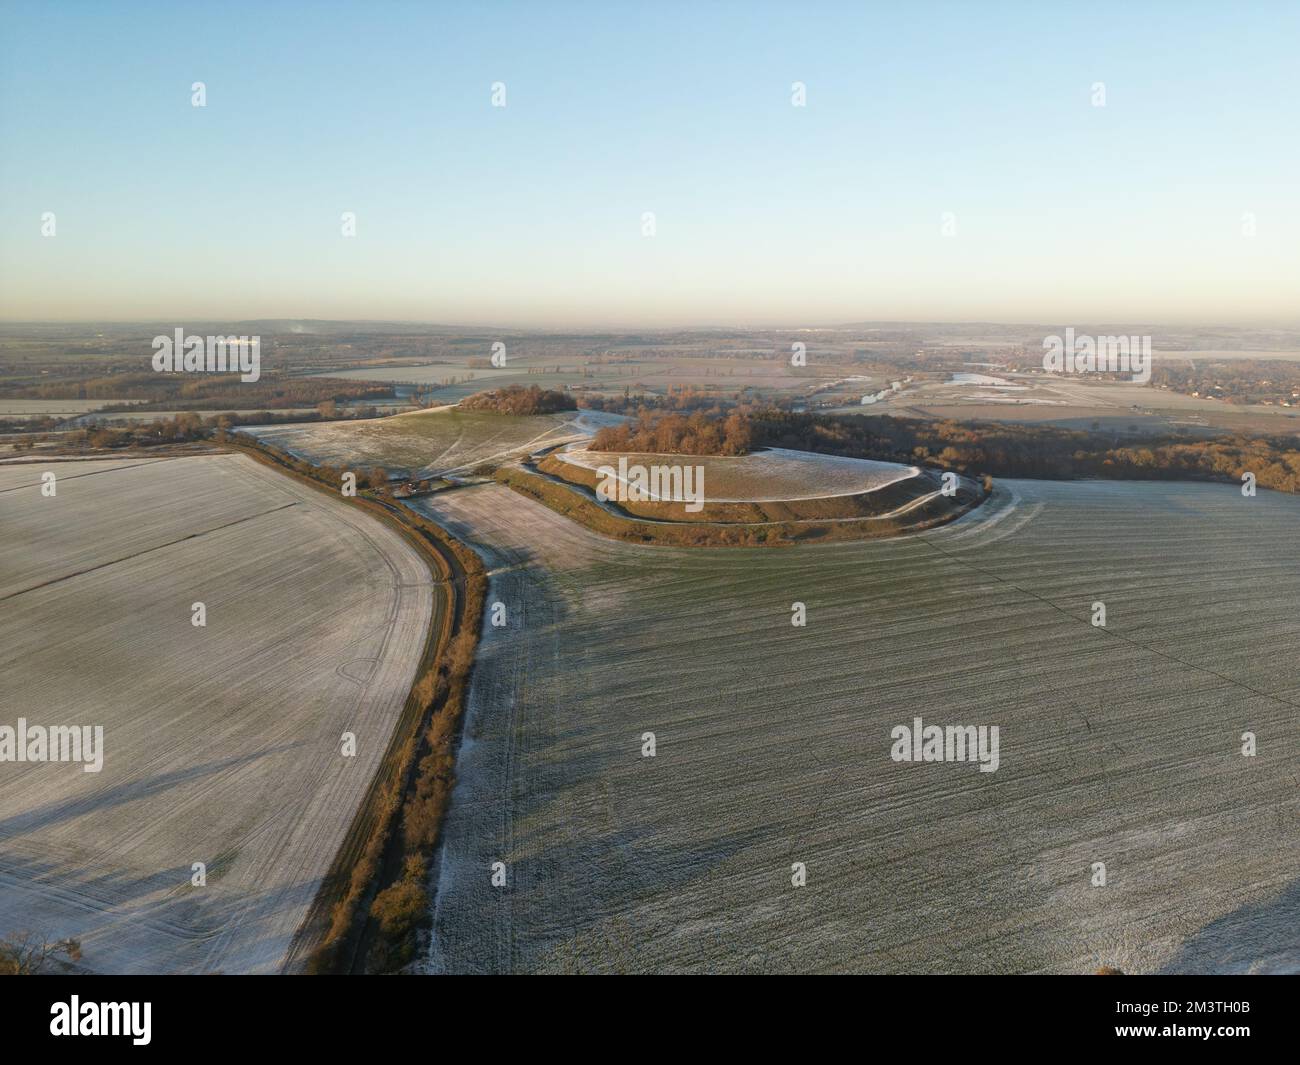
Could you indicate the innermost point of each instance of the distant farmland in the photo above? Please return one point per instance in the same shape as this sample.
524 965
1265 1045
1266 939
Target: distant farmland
222 744
424 443
1119 745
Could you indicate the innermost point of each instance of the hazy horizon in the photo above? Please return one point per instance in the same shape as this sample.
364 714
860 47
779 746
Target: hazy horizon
614 328
950 165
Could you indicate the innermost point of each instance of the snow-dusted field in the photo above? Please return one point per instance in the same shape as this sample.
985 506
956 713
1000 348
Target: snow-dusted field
1119 745
763 476
222 743
425 443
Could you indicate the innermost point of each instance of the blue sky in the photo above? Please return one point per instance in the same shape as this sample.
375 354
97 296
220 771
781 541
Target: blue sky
765 213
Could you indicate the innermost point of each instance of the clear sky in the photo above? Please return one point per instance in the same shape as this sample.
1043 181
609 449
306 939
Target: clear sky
765 213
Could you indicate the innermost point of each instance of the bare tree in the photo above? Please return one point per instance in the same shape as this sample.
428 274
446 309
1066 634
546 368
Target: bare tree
25 953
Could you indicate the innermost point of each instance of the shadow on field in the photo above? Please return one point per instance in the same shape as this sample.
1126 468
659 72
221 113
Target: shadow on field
1259 938
98 799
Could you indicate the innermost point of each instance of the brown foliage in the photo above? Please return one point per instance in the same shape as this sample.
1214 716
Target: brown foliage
516 399
678 434
992 448
26 954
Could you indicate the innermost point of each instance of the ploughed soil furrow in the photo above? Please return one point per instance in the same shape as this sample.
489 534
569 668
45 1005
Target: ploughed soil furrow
1118 745
222 743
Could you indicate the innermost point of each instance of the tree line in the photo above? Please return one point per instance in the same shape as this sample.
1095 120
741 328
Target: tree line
972 448
204 391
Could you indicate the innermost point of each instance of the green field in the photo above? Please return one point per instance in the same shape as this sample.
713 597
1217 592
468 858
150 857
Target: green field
1118 745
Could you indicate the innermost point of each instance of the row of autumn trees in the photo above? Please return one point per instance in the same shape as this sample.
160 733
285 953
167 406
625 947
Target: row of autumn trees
178 429
667 433
1000 449
181 391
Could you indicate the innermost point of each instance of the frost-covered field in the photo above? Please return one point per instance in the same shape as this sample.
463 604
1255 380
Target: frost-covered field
764 476
221 744
38 408
424 443
1119 746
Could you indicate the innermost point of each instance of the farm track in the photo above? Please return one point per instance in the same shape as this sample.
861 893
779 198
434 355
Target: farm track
1119 745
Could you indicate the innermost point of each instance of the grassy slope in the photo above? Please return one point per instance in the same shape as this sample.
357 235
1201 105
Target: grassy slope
860 505
740 524
428 442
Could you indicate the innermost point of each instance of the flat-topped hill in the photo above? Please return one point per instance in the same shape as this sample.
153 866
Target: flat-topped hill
769 475
769 496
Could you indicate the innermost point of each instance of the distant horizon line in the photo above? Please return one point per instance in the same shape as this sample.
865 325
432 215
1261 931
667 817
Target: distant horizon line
654 328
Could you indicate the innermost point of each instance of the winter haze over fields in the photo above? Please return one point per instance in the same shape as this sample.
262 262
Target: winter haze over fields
648 488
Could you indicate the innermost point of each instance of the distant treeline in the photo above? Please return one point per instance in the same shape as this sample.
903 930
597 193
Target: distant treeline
43 424
683 398
180 428
999 449
182 391
517 399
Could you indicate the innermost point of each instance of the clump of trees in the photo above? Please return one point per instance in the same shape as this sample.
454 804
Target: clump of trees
177 430
518 399
400 909
668 433
182 391
44 424
681 398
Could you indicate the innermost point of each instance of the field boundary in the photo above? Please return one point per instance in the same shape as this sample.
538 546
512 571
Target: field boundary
393 833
